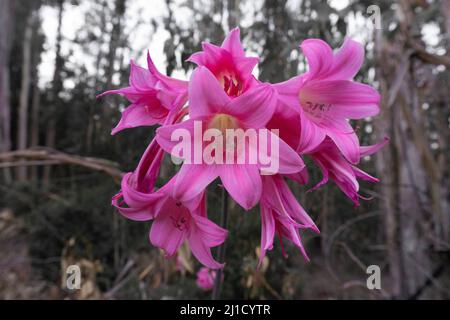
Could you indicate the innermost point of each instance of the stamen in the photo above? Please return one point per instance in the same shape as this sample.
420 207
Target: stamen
181 223
231 84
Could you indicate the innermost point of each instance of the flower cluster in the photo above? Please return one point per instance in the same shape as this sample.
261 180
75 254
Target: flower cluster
307 115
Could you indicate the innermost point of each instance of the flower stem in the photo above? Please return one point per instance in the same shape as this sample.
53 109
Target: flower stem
221 252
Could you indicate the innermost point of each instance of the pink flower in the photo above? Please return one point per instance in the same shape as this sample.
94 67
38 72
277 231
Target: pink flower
138 187
137 199
205 279
281 214
310 112
228 64
174 222
211 106
153 97
326 97
344 174
177 221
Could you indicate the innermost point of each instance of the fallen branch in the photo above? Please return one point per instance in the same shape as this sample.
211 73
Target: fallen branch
46 156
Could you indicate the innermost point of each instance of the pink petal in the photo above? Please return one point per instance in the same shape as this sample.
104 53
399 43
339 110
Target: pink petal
164 234
135 214
164 136
201 251
232 43
134 198
174 84
291 204
243 182
138 115
329 101
301 177
140 78
325 175
212 235
369 150
206 96
347 142
151 66
196 205
198 58
319 56
289 161
254 108
311 135
364 175
287 121
129 92
288 91
347 61
245 67
267 231
214 53
147 171
192 179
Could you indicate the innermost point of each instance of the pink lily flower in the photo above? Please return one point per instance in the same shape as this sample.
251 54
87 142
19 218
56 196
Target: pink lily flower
210 105
205 279
138 187
174 222
333 165
326 97
138 200
281 213
178 221
228 64
153 97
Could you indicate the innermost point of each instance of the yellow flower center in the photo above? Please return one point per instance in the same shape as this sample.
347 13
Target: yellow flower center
222 122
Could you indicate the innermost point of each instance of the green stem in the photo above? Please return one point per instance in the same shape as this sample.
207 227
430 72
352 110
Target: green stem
221 253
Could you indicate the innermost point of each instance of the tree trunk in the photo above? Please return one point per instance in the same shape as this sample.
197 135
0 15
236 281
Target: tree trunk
411 188
90 132
386 163
35 112
6 18
115 40
22 127
233 13
54 94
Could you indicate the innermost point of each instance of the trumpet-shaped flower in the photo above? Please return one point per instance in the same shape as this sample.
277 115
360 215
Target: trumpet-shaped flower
174 221
281 214
153 97
228 64
306 115
326 97
333 165
214 109
177 221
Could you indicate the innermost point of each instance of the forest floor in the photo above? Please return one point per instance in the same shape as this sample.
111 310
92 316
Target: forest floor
17 280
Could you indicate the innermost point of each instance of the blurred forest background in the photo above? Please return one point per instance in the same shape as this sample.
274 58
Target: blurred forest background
59 165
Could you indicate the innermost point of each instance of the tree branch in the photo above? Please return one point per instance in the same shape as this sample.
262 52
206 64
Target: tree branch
45 156
425 56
